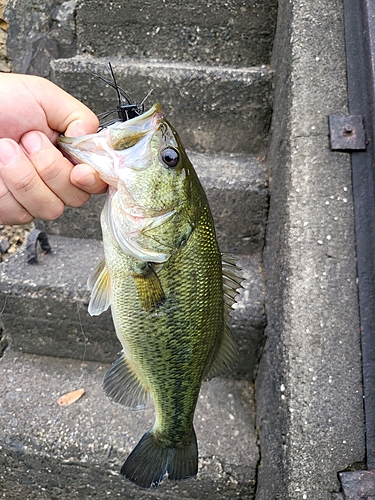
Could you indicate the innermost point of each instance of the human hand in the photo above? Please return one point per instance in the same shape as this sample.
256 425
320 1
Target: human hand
36 180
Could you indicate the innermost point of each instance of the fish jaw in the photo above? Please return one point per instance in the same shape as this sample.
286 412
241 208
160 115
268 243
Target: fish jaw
147 205
111 150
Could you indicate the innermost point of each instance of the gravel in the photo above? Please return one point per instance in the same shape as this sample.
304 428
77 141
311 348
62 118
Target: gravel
12 238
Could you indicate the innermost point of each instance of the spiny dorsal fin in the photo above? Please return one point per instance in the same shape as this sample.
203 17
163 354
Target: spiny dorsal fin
122 385
232 279
149 289
99 284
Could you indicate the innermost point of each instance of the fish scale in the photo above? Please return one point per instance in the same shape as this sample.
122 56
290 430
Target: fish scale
160 339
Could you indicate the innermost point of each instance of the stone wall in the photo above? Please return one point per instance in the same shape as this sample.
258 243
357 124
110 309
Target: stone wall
39 31
4 63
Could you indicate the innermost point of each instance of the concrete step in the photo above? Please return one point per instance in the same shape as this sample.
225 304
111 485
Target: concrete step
214 108
235 33
236 186
44 306
49 451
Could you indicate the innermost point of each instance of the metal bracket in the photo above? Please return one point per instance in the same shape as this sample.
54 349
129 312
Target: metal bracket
358 485
346 133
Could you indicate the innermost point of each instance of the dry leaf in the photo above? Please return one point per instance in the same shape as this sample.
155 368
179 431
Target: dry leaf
70 397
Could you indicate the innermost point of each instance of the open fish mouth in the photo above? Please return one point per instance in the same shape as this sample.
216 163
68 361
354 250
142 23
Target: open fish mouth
117 137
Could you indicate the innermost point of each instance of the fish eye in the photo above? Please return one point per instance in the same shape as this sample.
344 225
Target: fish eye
170 157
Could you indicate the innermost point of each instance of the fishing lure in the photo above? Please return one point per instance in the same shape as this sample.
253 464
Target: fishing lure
126 109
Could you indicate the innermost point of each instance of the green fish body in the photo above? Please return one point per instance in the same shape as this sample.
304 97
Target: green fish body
163 278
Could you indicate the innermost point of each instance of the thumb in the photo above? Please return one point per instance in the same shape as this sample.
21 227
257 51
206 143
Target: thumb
64 112
82 126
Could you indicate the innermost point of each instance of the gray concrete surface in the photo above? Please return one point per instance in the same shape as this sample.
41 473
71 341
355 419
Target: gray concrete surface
237 190
309 391
214 108
195 32
44 306
39 31
212 76
235 33
49 451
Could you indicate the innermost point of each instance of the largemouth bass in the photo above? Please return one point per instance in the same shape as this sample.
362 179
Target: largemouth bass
169 287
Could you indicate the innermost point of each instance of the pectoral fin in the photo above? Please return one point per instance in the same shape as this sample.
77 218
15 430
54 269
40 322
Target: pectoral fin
99 284
149 289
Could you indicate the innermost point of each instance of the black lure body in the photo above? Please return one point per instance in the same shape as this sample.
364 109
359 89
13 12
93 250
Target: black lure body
126 109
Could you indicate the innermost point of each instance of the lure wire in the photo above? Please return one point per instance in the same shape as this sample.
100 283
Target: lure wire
126 109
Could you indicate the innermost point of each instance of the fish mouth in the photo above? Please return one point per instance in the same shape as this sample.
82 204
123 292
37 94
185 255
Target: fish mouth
154 116
118 136
155 112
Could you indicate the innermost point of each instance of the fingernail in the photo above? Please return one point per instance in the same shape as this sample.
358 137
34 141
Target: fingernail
8 152
83 176
82 127
88 180
75 129
32 142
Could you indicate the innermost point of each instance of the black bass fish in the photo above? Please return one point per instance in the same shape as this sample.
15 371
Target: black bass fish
169 287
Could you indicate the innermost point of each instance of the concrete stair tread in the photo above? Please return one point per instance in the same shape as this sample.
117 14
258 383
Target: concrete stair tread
53 299
238 33
96 435
219 70
202 103
237 190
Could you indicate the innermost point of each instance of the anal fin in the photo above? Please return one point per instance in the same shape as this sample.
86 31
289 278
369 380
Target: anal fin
122 386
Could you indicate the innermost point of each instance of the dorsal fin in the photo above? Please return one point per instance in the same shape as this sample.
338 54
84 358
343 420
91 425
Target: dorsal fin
225 354
232 279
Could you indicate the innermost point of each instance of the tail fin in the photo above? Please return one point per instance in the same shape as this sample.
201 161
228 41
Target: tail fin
150 461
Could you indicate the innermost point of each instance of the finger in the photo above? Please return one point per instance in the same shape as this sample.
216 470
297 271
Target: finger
41 105
86 178
11 212
21 179
64 113
53 168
